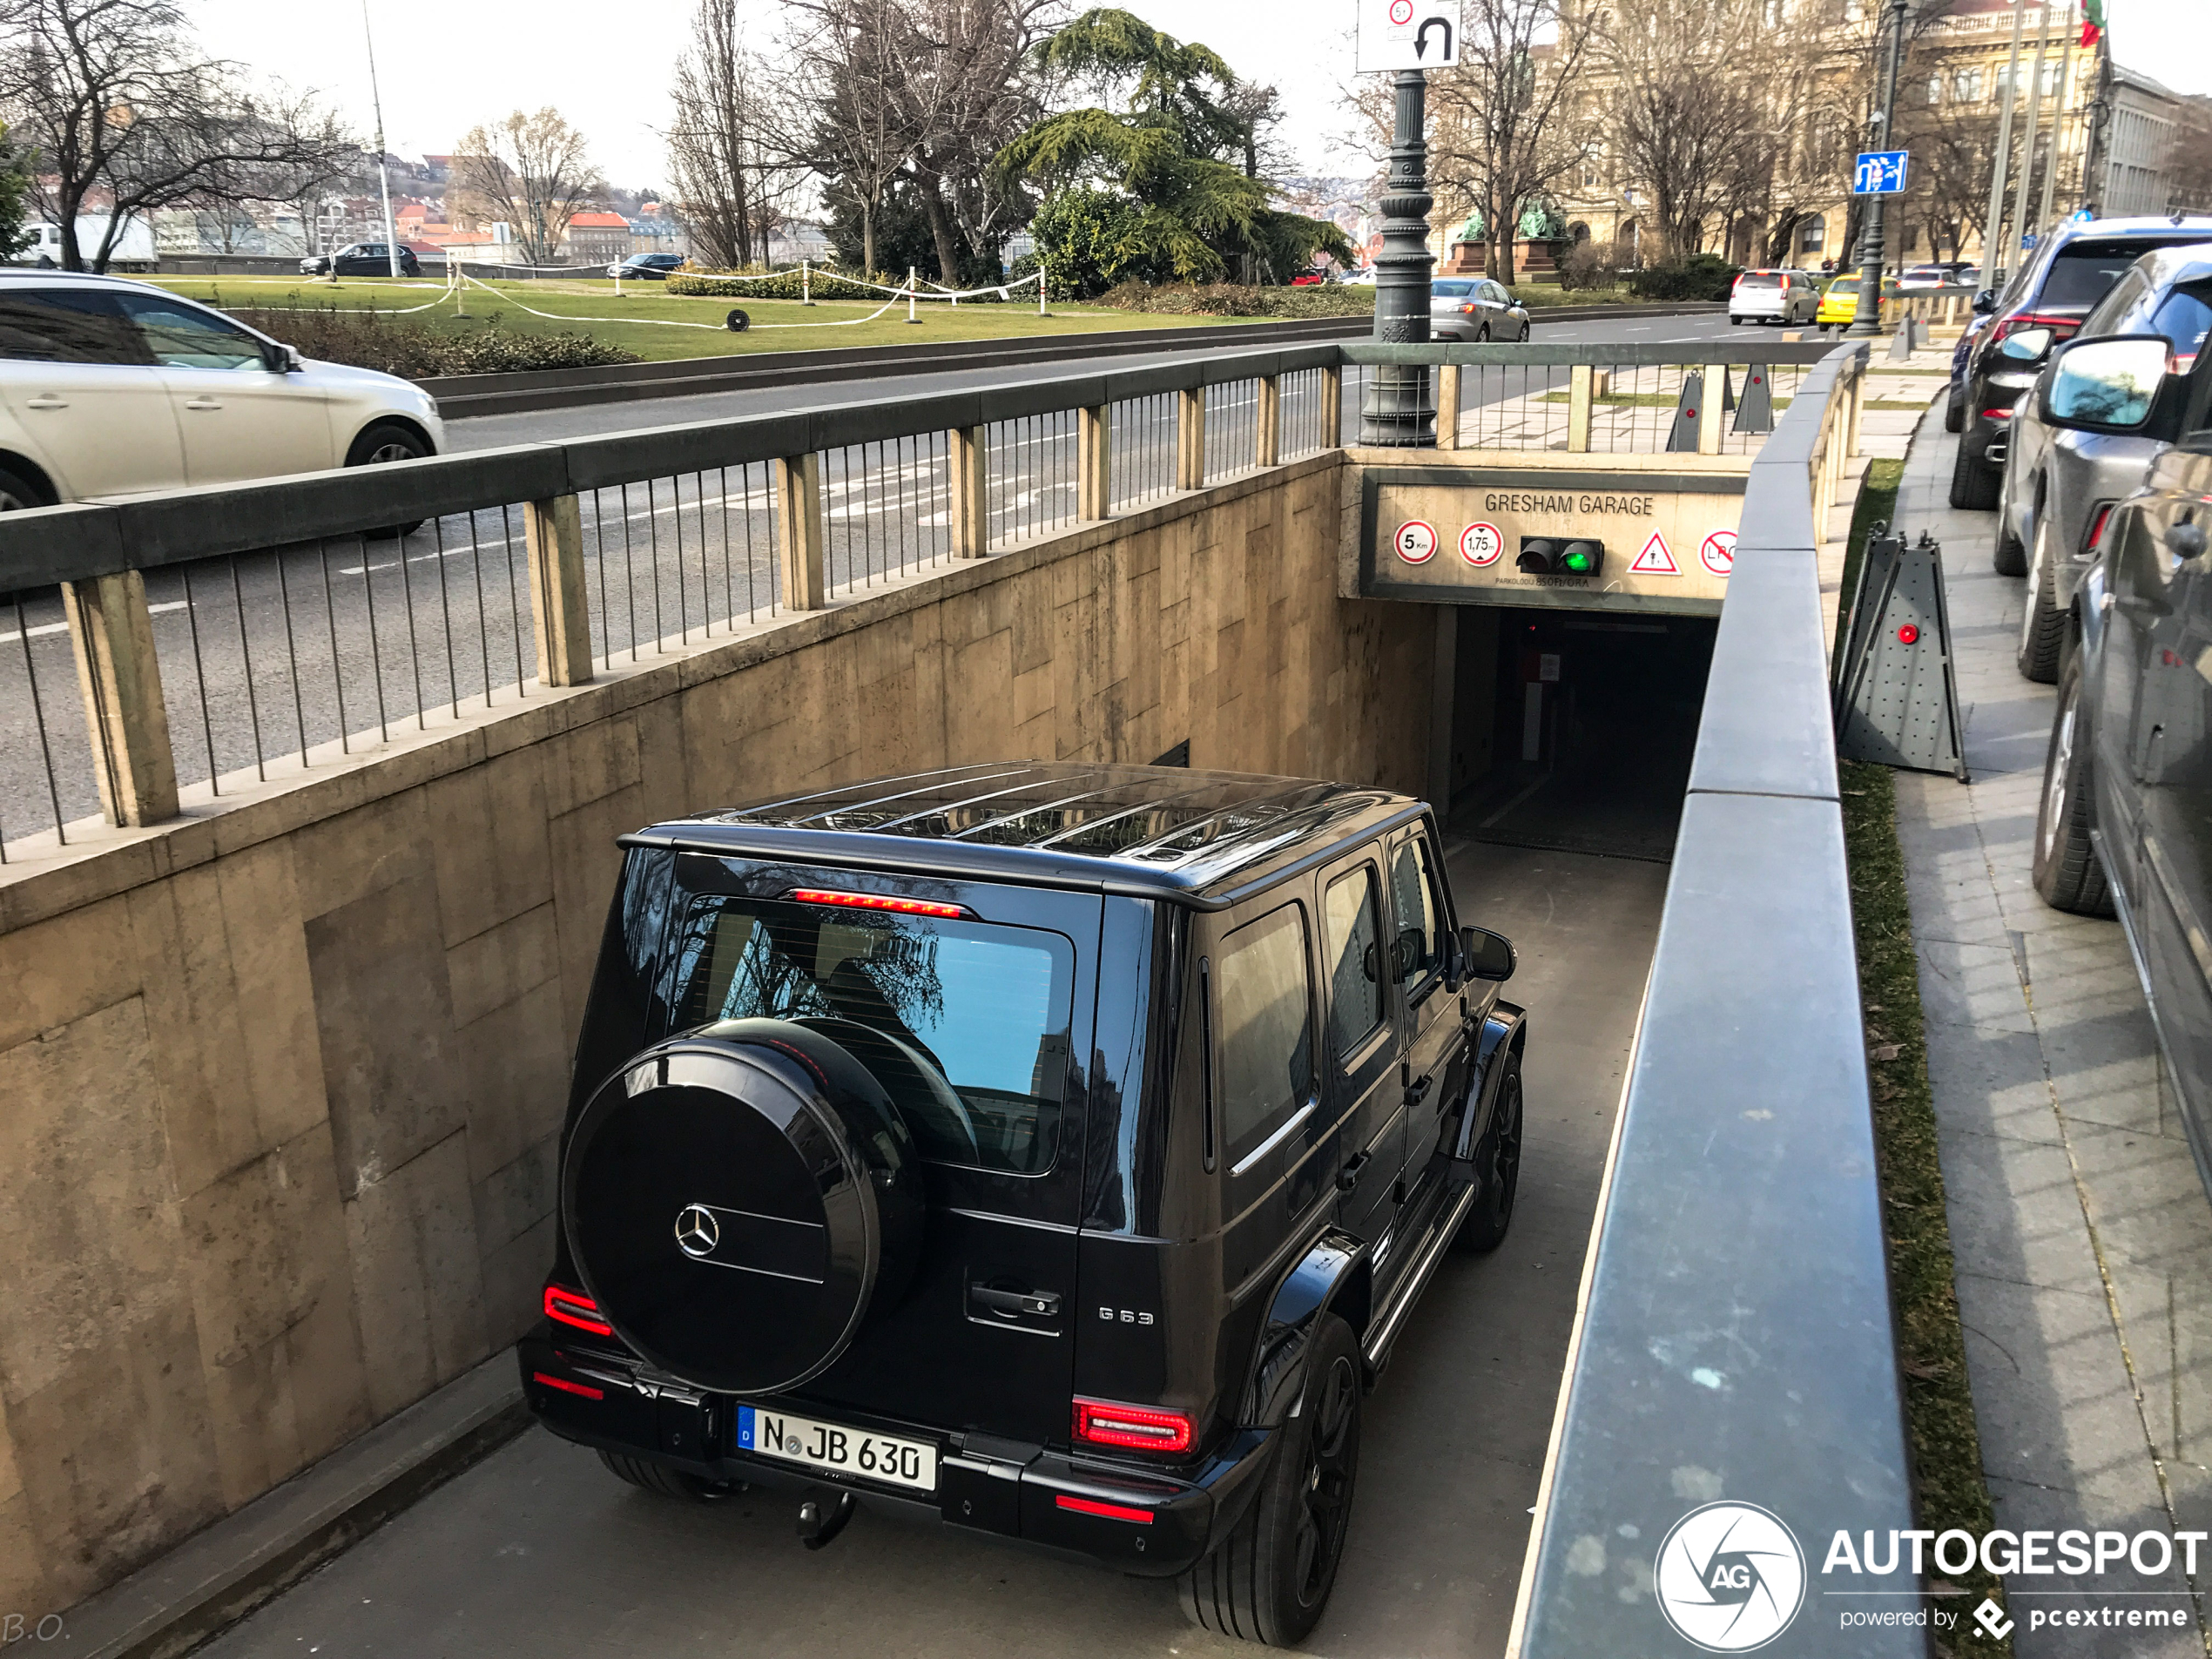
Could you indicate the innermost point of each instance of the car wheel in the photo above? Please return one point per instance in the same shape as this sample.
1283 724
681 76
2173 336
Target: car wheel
2006 555
669 1483
1269 1579
386 442
18 489
2043 625
1484 1229
1954 409
1974 483
1736 323
2066 872
1483 334
1525 325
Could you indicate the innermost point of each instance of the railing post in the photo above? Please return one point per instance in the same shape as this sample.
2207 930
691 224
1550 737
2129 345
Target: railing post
1708 418
1858 403
798 530
1267 423
1094 447
1582 395
1333 406
553 535
1191 439
111 634
971 504
1447 407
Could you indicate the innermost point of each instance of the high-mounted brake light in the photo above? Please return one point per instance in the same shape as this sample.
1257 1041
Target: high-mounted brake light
878 902
1111 1511
1142 1428
567 1387
565 1306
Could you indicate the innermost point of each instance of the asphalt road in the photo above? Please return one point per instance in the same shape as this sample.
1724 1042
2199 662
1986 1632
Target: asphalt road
538 1551
269 654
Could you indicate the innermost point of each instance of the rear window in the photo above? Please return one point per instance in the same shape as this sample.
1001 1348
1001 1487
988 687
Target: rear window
1448 289
984 1006
2083 272
1762 280
1844 285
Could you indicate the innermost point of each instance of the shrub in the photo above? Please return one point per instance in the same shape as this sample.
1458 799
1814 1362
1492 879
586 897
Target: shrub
776 285
419 350
1234 299
1702 276
1092 240
1588 264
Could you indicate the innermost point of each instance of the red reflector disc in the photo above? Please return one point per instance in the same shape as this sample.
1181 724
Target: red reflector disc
1908 634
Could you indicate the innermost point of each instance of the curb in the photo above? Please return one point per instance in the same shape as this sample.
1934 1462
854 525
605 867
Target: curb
226 1570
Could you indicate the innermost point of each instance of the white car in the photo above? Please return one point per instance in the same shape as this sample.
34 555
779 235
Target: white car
110 388
1774 296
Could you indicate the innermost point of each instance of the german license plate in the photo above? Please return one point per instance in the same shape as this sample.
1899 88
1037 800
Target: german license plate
831 1445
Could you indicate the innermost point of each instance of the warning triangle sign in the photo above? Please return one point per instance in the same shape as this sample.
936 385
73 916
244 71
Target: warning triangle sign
1657 559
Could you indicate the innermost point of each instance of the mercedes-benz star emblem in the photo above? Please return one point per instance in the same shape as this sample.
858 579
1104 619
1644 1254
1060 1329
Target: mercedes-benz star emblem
697 1231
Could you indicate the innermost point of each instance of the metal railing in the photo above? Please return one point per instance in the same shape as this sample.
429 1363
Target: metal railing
1735 1338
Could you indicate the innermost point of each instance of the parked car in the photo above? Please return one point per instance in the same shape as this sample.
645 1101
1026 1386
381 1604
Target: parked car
1056 1149
1474 308
1935 273
361 258
1774 296
1955 404
1839 303
2123 825
1364 277
2070 271
1309 280
646 267
2060 483
110 388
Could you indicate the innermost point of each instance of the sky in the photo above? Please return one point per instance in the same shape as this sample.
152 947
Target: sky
443 65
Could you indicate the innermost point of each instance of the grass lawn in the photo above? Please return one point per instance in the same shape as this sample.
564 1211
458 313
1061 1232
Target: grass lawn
640 320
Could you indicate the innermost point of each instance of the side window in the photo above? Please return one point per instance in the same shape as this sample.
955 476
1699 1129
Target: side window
185 337
1420 948
66 326
1355 959
1264 1014
2184 317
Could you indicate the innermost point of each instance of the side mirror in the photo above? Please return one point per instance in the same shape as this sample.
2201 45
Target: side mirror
2104 385
1487 955
2026 345
1986 302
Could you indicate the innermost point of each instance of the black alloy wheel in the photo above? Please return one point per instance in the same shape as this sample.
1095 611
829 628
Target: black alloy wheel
2044 627
1974 482
2066 871
1484 1227
1268 1580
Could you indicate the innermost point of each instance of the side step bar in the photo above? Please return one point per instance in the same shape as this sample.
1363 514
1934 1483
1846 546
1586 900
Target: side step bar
1384 1332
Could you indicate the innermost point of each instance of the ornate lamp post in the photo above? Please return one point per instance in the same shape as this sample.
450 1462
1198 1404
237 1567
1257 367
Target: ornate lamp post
1866 318
1397 409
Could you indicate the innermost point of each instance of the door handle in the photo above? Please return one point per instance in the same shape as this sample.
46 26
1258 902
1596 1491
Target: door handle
204 403
1043 1305
1420 1091
46 401
1348 1176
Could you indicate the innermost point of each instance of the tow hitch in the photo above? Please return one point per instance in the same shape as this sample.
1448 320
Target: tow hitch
821 1517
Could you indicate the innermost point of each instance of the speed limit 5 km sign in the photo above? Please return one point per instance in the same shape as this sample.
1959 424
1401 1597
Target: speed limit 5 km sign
1415 541
1408 34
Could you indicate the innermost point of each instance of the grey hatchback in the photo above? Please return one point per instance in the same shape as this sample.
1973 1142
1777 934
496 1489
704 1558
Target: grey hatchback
2060 483
1474 308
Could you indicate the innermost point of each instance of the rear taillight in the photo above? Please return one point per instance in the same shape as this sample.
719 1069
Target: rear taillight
1467 311
2097 529
1139 1429
2060 327
1110 1511
2005 414
565 1306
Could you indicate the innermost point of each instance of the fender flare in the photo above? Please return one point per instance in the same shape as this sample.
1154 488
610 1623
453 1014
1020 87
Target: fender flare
1504 1027
1332 1277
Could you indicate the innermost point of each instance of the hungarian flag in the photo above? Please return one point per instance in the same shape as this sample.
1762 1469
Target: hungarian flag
2093 22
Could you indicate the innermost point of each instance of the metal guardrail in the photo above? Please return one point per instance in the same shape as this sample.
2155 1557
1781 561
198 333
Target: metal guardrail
1735 1338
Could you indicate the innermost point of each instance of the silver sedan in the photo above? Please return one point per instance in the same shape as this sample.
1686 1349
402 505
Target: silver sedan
1474 309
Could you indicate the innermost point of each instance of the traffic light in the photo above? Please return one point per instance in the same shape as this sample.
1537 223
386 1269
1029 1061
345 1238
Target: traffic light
1561 555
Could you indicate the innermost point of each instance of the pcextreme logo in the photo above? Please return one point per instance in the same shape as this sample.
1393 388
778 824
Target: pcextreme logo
1729 1577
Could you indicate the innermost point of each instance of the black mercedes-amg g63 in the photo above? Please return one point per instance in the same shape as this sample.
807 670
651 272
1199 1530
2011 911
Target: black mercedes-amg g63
1057 1148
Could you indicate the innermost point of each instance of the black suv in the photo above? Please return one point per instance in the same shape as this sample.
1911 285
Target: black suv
361 258
1059 1148
2042 307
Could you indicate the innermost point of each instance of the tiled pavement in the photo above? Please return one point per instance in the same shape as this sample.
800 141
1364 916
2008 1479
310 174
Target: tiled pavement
2082 1236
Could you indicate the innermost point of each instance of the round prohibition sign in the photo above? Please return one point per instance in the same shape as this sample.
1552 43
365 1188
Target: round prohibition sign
1415 541
1481 544
1401 12
1718 552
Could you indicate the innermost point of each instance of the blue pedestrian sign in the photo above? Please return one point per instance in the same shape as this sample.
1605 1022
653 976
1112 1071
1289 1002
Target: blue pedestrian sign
1880 173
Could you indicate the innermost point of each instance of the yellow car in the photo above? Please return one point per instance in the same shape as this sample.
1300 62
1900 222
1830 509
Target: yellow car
1839 306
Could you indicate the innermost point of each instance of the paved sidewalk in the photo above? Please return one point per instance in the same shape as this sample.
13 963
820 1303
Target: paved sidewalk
2082 1236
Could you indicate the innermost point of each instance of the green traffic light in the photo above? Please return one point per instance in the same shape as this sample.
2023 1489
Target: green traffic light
1578 562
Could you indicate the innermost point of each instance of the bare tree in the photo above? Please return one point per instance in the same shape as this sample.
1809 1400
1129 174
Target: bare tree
304 148
1505 117
728 194
848 112
126 116
967 92
533 172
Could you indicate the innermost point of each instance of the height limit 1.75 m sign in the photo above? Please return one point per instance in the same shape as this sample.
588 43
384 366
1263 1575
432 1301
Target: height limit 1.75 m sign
1408 34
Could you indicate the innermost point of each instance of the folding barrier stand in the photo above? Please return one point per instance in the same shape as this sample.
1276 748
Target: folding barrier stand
1756 412
1683 440
1897 698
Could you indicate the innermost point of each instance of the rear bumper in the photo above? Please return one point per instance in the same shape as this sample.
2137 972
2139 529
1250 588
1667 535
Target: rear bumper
1134 1520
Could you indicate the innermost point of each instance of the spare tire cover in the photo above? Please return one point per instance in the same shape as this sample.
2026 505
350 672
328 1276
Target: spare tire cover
737 1200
